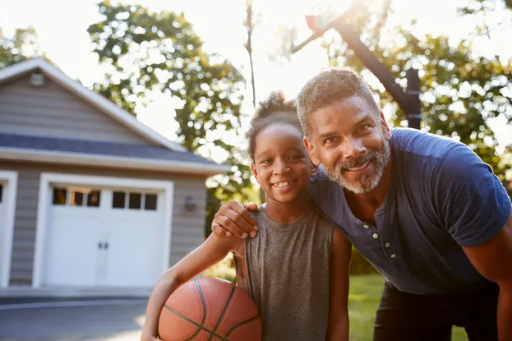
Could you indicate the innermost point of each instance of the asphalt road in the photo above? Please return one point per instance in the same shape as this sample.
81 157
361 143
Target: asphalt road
100 321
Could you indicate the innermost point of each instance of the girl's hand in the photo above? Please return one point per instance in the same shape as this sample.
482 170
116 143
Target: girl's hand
148 338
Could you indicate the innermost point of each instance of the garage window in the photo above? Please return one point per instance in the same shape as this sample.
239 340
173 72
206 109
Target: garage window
118 199
59 196
134 201
150 203
81 197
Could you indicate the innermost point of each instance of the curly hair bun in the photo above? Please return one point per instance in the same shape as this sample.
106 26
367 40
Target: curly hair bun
275 103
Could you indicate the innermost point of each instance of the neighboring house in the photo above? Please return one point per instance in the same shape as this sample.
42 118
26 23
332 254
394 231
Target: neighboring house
90 197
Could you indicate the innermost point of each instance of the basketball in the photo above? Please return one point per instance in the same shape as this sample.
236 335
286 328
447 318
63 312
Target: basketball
209 309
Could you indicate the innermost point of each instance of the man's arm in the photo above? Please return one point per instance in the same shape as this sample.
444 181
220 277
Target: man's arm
339 282
233 218
212 251
476 211
493 259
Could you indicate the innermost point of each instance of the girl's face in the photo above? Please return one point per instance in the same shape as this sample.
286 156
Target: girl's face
281 163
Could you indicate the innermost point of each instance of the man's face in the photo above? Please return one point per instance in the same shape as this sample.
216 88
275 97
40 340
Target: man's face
351 140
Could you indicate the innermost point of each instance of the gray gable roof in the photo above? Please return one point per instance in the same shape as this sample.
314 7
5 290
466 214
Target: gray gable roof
89 147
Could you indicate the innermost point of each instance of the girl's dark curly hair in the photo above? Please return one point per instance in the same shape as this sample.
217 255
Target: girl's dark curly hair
274 110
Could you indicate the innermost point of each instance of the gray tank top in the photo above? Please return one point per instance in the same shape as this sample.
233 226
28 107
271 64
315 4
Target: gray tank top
288 276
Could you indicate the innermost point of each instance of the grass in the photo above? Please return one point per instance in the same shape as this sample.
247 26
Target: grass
364 297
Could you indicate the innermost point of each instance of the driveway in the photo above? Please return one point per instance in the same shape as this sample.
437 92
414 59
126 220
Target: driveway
75 321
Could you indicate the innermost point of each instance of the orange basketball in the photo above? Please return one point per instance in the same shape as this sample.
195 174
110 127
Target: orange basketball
209 309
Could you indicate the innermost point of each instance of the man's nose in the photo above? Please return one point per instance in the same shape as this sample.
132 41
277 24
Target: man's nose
352 148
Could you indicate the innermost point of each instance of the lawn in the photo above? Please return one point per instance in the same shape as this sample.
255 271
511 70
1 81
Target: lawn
365 291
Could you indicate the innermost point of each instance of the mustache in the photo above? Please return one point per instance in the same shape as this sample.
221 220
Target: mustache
358 162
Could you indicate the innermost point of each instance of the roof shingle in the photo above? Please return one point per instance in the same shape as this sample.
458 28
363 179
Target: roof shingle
90 147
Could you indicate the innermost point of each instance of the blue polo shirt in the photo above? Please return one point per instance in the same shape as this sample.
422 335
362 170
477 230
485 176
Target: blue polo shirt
441 197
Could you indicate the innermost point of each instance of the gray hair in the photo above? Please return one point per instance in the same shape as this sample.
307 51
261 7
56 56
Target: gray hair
327 88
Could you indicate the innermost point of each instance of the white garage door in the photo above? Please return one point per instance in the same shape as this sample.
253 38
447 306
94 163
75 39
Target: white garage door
104 237
3 243
2 210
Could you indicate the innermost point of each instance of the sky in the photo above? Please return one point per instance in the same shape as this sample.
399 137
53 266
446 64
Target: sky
62 24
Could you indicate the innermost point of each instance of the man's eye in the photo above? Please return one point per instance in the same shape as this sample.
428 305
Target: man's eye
329 140
266 161
295 157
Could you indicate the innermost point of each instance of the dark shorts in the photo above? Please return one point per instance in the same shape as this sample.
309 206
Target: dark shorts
408 317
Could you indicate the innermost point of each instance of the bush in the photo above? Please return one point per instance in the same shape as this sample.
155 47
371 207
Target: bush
225 269
359 265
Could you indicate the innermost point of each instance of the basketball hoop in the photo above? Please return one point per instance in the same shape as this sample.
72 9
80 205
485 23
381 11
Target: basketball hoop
323 13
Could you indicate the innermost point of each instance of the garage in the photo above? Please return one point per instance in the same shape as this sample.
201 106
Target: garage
8 185
102 232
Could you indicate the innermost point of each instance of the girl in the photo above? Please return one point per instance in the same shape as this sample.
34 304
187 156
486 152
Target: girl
296 268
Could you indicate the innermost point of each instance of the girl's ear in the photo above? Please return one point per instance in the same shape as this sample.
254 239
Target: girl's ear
314 170
254 171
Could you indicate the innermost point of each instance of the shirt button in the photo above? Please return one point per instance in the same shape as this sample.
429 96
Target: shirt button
393 255
366 226
375 236
387 245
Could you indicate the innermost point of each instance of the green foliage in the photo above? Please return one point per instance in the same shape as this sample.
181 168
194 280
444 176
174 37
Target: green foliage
146 52
459 89
22 46
479 6
224 269
359 265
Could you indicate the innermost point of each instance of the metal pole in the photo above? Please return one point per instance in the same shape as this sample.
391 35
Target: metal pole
413 112
371 62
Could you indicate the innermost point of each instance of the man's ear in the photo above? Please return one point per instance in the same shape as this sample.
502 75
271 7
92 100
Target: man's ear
254 171
386 131
312 152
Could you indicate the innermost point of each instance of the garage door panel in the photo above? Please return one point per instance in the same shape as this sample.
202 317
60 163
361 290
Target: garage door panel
134 252
72 249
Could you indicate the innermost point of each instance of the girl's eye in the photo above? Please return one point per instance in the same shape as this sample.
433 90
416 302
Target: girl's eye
364 128
266 161
295 157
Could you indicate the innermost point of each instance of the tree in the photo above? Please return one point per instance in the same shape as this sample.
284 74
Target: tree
460 89
23 45
485 6
147 52
249 24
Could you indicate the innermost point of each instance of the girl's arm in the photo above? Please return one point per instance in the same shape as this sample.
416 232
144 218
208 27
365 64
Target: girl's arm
339 281
212 251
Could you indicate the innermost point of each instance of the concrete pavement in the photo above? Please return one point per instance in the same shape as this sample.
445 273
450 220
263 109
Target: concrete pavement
83 321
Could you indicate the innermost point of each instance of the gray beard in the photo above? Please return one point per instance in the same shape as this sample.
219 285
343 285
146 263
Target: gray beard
367 182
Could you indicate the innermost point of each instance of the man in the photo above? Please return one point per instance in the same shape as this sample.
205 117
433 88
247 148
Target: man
428 214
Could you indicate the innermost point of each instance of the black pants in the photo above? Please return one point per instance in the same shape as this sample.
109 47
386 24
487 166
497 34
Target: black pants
408 317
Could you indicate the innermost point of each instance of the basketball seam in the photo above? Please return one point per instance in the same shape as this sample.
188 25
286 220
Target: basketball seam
202 300
241 324
177 313
201 327
223 311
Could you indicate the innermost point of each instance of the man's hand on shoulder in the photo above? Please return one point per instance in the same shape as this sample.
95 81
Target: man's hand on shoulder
233 218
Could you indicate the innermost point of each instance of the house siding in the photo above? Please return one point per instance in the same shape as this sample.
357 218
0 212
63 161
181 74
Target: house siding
53 111
187 227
